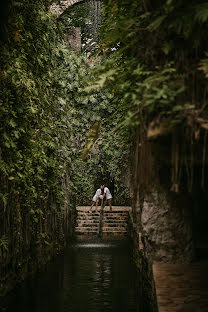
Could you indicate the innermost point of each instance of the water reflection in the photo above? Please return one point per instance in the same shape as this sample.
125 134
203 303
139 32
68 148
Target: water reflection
88 277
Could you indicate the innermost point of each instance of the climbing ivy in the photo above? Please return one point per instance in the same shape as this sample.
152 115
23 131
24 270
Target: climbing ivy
150 52
45 115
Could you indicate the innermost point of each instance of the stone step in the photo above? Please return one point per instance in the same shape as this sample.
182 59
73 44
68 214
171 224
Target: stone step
114 233
104 220
117 222
107 208
115 225
115 219
84 230
87 221
124 213
88 218
110 226
105 230
81 221
114 222
91 217
88 226
117 229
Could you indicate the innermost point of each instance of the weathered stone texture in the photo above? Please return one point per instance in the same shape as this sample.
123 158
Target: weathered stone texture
144 267
115 222
73 38
179 286
58 8
167 230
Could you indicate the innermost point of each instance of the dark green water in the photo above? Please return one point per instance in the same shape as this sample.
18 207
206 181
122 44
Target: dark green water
90 277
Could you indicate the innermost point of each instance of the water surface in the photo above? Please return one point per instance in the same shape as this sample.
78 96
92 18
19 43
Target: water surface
90 277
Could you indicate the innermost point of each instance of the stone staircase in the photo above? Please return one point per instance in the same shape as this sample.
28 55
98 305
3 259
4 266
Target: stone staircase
115 222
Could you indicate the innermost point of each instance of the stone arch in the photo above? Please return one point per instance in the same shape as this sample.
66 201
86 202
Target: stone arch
58 8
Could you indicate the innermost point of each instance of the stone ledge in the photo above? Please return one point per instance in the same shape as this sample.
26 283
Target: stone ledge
181 287
107 208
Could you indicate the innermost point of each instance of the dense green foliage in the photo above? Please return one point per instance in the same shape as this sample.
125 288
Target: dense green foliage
31 159
33 168
150 80
87 16
155 54
154 51
45 115
85 110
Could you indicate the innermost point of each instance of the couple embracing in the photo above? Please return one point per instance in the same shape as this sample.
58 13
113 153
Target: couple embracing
107 197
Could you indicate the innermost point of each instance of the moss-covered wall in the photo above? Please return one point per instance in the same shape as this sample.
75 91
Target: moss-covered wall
36 201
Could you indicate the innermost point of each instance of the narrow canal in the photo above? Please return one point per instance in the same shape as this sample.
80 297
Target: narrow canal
94 277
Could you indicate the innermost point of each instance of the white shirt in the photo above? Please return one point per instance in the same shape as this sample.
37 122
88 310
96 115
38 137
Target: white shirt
108 193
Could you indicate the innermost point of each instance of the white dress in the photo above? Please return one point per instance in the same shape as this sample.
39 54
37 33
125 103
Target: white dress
97 195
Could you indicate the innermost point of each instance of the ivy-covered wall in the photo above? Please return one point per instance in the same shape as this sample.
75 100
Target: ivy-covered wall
45 115
35 209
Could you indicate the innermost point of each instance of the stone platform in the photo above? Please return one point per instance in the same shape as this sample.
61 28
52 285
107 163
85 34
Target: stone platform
181 287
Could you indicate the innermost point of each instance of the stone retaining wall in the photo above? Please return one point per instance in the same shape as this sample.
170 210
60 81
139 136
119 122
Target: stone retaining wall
144 267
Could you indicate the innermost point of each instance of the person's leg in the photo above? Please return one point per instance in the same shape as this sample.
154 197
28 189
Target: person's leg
93 204
96 208
110 203
104 202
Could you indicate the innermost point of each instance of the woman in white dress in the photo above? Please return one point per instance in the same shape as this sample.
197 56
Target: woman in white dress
96 199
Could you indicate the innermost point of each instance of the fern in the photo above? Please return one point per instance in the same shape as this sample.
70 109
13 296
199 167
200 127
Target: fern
4 242
201 13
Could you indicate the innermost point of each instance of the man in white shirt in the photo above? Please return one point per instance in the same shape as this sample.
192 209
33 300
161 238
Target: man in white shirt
108 196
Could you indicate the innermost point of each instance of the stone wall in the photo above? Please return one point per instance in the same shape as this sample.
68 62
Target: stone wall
58 8
166 227
162 216
73 38
144 270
